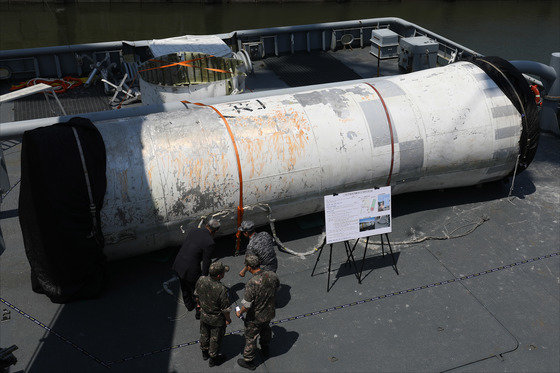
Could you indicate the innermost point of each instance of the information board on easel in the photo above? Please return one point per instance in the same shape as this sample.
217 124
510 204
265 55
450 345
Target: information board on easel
362 213
354 215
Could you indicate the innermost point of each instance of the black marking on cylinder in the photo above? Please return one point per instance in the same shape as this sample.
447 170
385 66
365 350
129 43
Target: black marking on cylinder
331 97
493 92
389 89
503 111
377 122
411 158
505 132
358 90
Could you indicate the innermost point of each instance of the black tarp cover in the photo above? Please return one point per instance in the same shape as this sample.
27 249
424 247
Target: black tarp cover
516 88
67 261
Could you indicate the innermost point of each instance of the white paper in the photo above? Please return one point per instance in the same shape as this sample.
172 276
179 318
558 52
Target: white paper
357 214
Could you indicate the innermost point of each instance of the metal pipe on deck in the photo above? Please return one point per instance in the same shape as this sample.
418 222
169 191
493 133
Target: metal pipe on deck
547 73
551 81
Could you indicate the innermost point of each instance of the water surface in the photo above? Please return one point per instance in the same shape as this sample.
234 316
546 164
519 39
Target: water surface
510 29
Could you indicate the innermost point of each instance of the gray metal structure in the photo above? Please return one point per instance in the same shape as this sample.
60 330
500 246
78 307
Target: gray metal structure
550 76
67 60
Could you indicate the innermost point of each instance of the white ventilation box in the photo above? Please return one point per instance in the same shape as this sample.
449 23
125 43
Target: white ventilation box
384 43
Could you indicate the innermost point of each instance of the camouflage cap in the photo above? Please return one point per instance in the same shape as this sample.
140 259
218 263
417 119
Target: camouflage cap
247 226
217 268
252 261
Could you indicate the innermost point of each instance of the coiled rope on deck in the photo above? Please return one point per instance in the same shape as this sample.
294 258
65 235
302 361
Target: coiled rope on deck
446 236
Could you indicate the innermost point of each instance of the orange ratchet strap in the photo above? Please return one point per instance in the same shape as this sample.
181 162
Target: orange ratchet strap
240 175
185 63
390 130
180 63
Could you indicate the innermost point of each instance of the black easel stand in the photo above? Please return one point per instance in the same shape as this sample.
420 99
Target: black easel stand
350 258
330 262
382 253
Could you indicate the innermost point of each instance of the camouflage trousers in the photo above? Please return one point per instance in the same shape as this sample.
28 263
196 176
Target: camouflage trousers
211 338
252 331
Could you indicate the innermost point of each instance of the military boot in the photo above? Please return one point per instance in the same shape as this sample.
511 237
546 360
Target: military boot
247 364
215 361
205 355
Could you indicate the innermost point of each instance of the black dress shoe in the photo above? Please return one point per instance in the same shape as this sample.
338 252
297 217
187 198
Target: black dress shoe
215 361
246 364
205 355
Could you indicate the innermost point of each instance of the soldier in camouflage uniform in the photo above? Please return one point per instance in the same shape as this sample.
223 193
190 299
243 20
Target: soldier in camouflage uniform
260 244
259 305
215 312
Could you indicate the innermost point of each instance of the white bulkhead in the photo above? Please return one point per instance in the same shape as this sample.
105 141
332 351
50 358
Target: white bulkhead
451 126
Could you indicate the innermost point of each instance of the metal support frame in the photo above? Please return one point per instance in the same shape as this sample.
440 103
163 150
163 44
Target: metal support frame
103 66
52 91
119 89
379 58
28 91
350 260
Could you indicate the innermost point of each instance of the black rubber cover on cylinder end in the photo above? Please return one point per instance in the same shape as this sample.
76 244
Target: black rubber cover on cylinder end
516 88
66 256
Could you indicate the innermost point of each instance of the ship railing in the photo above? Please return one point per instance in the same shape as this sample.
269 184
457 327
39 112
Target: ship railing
66 60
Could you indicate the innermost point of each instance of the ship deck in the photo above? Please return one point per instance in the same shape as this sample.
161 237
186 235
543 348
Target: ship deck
485 301
294 70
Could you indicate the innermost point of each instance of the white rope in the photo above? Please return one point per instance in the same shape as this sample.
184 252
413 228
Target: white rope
321 242
212 216
177 299
265 207
322 237
446 236
166 284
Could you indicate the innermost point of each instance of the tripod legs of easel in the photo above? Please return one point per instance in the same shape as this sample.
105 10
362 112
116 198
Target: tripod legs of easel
390 250
330 263
350 258
363 260
382 252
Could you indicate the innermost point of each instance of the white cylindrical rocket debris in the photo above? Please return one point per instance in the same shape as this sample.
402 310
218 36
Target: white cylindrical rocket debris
438 128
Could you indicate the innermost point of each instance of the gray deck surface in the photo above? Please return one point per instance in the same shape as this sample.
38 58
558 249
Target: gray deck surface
75 101
501 320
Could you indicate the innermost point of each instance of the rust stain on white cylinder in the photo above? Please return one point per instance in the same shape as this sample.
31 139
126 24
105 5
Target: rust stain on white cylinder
452 126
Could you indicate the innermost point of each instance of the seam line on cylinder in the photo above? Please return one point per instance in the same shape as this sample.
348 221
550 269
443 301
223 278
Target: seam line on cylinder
390 131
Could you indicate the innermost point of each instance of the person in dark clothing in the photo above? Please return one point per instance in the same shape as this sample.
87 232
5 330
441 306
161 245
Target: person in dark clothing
260 244
196 250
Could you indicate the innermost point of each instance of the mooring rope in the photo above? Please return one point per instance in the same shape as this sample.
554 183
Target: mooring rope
446 236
